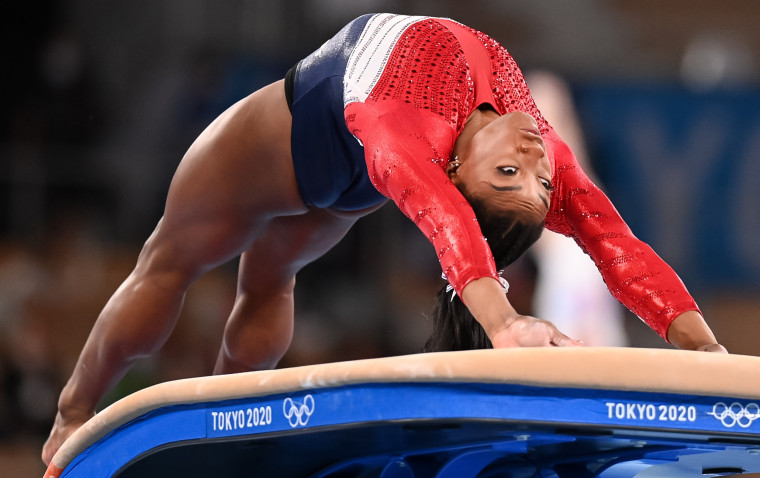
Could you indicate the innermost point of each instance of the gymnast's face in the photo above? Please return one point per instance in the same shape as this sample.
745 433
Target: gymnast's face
506 163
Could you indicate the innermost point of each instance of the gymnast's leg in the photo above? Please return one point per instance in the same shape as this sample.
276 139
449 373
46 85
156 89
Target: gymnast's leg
260 328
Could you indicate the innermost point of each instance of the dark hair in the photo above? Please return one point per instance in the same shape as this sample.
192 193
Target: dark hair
509 234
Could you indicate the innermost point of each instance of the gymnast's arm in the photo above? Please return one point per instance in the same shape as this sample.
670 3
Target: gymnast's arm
405 151
633 272
689 331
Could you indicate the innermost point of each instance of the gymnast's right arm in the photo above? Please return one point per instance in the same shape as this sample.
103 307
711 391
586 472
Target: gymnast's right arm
406 150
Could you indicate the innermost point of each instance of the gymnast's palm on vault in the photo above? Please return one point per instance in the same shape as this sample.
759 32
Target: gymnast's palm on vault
438 119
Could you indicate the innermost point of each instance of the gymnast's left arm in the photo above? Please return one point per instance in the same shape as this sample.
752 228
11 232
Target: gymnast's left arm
635 275
689 331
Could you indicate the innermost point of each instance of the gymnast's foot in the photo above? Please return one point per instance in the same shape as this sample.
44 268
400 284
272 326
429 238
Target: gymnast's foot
62 429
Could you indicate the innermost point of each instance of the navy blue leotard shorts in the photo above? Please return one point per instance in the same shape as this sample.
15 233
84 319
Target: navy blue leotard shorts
329 161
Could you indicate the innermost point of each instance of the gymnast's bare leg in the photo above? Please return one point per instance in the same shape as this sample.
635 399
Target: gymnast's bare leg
230 187
260 327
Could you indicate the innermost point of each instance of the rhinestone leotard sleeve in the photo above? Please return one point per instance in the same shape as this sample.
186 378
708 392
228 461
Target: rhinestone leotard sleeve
635 275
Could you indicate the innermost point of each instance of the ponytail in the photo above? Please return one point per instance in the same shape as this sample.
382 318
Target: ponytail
454 327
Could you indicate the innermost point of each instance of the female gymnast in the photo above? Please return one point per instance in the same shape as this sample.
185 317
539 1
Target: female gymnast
425 111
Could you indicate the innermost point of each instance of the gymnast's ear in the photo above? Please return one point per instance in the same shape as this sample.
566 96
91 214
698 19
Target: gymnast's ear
452 169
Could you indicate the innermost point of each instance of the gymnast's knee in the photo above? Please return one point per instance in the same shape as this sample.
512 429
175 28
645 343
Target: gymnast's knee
262 353
259 331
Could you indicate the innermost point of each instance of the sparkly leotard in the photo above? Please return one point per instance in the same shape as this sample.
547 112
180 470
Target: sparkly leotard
409 85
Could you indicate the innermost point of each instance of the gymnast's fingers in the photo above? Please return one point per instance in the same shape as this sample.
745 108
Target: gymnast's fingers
717 348
561 340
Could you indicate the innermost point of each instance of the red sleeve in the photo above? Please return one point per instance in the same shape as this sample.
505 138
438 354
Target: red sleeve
635 275
406 150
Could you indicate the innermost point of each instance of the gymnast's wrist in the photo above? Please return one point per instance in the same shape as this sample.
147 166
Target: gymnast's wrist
487 302
73 408
74 414
503 321
689 331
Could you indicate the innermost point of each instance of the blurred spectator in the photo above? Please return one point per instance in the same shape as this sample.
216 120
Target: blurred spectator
714 60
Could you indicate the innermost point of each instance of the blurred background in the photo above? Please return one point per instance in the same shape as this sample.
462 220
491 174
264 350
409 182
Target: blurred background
661 98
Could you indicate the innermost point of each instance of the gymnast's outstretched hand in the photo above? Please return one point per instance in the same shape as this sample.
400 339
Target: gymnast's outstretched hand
712 348
504 326
527 331
62 429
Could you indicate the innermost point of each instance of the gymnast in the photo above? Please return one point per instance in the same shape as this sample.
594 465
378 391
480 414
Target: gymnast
425 111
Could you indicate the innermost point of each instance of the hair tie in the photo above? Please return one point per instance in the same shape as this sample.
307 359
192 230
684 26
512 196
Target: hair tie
504 283
450 288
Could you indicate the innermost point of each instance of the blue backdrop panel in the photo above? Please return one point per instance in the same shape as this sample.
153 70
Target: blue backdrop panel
683 170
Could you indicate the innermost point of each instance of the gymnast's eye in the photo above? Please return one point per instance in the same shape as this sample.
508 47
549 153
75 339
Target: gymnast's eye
547 184
508 170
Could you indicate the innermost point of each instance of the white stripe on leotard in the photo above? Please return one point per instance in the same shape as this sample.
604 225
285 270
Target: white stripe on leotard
370 54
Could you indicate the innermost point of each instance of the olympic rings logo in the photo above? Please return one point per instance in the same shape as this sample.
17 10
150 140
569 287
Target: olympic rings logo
736 414
298 413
